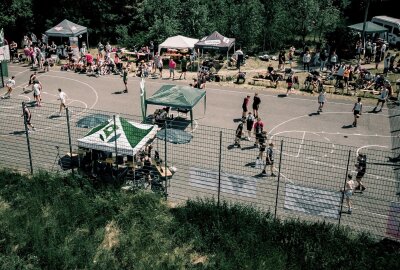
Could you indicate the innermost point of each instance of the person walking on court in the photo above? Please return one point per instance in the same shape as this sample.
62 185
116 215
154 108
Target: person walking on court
27 116
125 79
62 98
357 110
361 167
10 87
321 100
348 192
269 160
249 124
256 104
37 89
245 106
258 129
239 132
382 99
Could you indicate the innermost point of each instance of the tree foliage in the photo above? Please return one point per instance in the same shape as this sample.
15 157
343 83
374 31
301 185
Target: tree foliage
256 24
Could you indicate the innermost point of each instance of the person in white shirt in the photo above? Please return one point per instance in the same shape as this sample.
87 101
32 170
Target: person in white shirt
348 192
382 98
62 98
10 87
36 93
306 60
321 100
357 110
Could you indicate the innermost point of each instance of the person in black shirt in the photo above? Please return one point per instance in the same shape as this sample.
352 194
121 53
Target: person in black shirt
239 131
27 115
256 104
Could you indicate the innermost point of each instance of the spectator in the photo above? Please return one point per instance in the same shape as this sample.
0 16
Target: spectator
172 66
83 49
306 60
323 57
100 50
281 60
386 64
333 60
290 58
183 68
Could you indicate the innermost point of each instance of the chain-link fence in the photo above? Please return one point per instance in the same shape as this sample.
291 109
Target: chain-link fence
309 174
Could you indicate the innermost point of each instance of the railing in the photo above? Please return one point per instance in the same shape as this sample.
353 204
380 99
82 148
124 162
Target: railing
309 174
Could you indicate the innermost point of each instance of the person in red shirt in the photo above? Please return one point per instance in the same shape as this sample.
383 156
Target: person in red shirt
258 129
89 62
172 66
245 105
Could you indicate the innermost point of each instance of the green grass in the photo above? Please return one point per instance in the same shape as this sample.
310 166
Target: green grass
53 222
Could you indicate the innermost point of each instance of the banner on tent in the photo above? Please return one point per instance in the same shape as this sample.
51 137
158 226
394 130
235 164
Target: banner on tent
312 201
4 53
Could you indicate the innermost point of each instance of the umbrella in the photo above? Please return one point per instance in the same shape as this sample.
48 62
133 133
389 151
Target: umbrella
92 120
176 136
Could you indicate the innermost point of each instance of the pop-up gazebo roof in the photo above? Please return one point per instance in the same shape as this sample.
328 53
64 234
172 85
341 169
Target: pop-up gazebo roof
177 96
178 42
215 41
370 27
129 136
66 29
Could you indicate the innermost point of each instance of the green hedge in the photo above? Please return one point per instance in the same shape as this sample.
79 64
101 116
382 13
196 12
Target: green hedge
49 221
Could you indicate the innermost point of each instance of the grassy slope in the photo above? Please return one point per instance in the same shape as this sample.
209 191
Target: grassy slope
48 222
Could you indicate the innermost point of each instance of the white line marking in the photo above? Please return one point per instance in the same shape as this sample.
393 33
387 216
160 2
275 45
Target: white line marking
301 144
368 146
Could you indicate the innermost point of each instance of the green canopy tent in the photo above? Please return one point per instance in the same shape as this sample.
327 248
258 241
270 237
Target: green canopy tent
370 27
126 137
177 96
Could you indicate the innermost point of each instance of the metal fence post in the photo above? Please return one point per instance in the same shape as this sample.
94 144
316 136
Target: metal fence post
279 178
219 166
27 136
165 159
70 141
344 185
116 147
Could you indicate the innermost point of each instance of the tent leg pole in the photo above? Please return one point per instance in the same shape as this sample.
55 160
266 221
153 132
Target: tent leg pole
87 39
116 147
191 118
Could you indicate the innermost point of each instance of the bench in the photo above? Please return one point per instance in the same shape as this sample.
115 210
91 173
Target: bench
374 92
270 83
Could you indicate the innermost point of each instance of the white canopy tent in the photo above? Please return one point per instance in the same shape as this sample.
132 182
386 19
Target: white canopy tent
126 136
177 42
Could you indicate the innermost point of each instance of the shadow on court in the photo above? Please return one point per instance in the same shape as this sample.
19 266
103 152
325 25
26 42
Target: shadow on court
118 92
347 126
